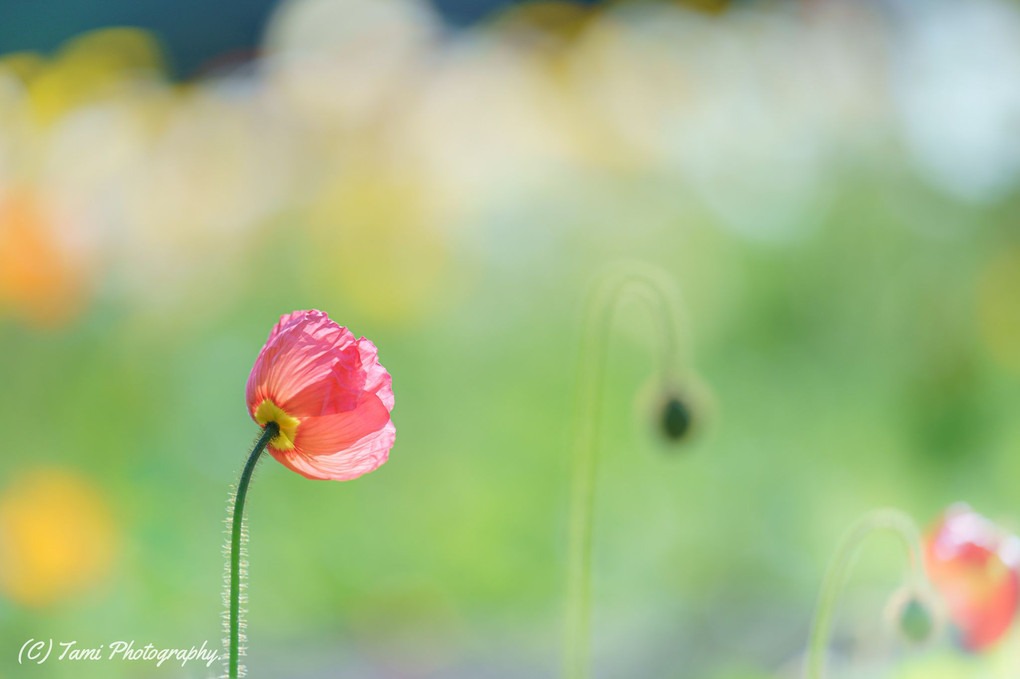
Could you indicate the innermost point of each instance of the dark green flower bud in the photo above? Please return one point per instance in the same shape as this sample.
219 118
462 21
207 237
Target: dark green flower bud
675 419
916 624
914 614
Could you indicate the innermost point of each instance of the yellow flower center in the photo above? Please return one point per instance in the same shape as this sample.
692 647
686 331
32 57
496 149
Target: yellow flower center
270 412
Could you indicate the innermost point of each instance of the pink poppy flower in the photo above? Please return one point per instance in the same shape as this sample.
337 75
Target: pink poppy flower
327 393
974 566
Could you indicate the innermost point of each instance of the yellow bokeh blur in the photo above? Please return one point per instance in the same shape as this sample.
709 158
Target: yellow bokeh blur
377 246
998 292
57 537
91 66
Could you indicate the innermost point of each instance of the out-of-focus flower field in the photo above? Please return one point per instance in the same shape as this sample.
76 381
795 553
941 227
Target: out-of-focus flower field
833 186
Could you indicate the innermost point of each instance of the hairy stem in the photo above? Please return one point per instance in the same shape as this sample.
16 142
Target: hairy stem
269 432
891 520
600 312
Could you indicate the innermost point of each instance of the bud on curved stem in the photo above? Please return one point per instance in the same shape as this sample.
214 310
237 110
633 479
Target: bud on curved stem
912 611
892 520
653 289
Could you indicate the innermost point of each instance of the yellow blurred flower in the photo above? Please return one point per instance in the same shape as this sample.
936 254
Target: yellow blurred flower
57 537
377 243
550 19
89 67
707 6
998 292
23 65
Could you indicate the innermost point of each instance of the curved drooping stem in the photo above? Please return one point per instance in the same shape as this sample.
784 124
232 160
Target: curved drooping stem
600 313
891 520
236 546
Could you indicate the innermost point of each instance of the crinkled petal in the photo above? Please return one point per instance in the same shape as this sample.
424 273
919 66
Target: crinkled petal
330 434
334 391
377 378
309 366
366 455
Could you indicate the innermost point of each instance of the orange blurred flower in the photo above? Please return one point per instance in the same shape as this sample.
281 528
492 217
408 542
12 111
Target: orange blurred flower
973 565
41 277
57 537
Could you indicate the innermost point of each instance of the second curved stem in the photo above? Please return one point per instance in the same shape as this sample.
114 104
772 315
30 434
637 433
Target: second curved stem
599 315
891 520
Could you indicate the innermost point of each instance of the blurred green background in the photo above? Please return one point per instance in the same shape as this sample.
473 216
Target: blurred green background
832 186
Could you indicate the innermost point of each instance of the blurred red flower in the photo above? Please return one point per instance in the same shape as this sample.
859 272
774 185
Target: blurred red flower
973 564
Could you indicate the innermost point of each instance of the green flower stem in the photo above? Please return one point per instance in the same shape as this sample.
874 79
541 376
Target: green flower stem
236 531
892 520
600 313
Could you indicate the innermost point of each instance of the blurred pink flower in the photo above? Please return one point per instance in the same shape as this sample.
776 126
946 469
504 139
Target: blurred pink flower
974 566
327 393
